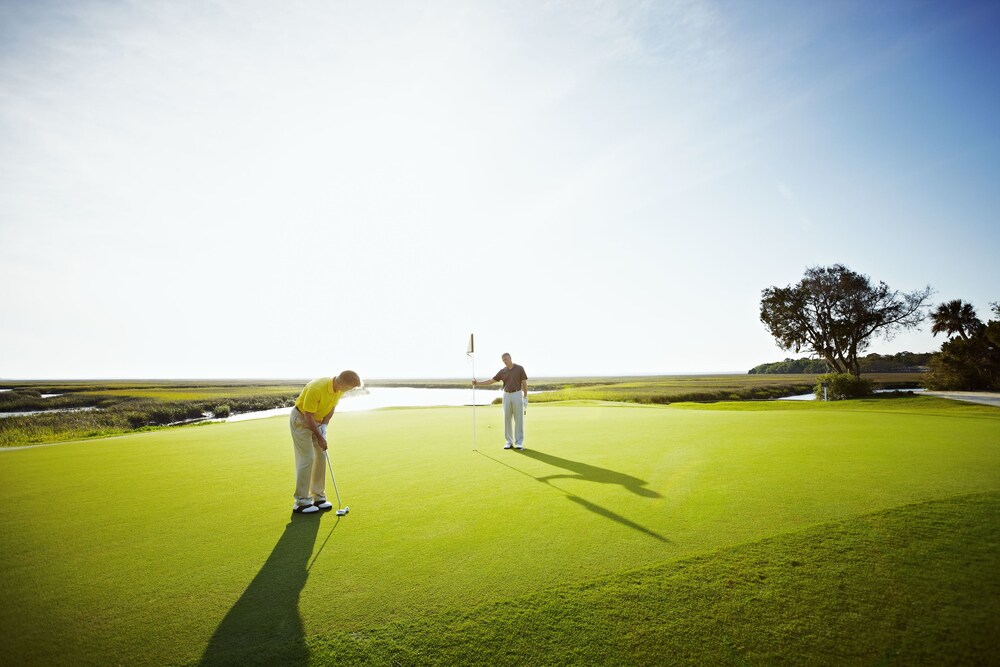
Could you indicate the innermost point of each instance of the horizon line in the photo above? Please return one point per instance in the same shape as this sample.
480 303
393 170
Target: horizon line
374 379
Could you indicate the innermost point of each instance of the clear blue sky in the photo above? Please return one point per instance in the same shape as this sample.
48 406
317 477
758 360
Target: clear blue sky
259 189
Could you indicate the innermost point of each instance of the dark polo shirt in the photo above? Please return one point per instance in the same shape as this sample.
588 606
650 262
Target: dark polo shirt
511 377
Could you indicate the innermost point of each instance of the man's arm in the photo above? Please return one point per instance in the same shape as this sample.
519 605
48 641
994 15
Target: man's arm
524 387
314 427
326 420
481 383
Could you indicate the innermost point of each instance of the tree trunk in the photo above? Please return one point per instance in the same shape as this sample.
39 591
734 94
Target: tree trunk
832 362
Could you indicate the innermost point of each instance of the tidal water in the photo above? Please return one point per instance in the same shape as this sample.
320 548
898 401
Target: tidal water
392 397
812 397
372 399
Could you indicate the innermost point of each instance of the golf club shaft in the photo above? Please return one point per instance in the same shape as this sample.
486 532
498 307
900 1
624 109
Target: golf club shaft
332 477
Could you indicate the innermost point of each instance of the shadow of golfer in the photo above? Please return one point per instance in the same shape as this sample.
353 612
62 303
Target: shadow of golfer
589 473
264 626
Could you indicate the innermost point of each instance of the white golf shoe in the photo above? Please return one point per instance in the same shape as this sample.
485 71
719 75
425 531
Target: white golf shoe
305 509
323 505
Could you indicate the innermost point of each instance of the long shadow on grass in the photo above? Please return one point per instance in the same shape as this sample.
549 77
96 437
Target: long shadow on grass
264 626
589 473
586 472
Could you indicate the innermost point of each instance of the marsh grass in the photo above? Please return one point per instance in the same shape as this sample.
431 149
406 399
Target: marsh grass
117 412
31 399
29 392
697 388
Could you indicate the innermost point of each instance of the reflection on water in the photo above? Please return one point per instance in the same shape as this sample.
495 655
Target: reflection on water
812 397
23 413
392 397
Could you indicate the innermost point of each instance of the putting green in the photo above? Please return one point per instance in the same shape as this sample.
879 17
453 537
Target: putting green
170 546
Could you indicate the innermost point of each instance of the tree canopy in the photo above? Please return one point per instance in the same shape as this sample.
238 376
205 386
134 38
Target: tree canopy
901 362
955 317
834 313
970 358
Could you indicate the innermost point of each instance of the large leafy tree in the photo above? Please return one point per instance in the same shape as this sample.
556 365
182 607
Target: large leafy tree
835 313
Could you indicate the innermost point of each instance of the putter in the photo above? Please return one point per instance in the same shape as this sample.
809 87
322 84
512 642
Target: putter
340 511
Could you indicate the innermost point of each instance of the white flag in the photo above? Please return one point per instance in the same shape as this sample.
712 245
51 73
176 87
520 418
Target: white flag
472 346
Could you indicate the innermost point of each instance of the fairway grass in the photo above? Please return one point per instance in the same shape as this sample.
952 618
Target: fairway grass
178 547
904 585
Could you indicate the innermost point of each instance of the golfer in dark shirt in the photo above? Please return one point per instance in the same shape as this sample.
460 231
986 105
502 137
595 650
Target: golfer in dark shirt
515 395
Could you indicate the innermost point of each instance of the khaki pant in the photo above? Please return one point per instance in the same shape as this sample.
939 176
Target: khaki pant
513 411
310 464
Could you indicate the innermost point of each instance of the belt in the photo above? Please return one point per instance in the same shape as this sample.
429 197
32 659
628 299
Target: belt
511 392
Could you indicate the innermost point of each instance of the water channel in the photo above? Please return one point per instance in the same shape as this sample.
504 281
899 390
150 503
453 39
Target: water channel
392 397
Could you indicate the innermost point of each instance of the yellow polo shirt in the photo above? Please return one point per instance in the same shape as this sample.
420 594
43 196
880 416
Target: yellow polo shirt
318 398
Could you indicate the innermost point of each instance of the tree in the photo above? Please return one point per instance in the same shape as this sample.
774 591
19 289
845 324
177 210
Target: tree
955 317
991 332
971 359
834 313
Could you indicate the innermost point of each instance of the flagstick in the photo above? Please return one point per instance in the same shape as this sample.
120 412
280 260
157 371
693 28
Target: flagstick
474 447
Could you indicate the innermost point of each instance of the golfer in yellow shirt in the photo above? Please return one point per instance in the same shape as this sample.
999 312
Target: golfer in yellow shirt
309 419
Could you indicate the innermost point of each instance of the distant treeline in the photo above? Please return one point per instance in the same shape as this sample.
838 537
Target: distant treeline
902 362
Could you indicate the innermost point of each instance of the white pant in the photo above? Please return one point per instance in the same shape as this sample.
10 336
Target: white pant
513 408
310 468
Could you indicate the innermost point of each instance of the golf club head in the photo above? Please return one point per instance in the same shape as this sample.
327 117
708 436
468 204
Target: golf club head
344 511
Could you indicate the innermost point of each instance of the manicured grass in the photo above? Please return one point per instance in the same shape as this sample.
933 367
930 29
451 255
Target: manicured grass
903 585
172 546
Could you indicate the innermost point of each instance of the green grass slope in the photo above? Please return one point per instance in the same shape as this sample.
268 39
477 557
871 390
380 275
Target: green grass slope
904 585
177 547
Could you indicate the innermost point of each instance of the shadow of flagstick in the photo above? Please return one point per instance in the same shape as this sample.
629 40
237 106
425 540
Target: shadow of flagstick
586 504
264 625
590 473
608 514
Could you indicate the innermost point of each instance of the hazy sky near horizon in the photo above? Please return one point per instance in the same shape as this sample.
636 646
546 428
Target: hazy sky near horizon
260 189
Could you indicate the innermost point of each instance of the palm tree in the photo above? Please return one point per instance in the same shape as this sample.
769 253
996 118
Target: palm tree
955 317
